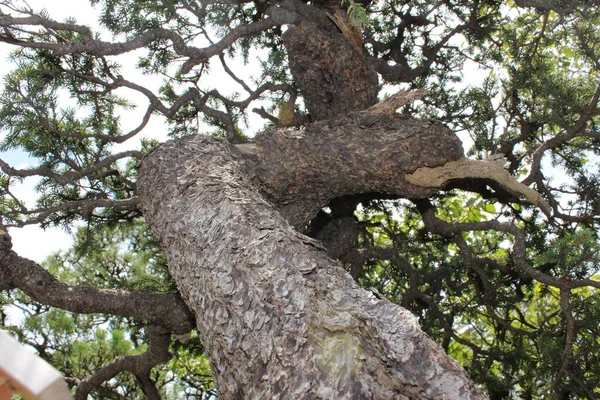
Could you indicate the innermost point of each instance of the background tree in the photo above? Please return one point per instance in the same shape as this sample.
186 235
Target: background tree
496 254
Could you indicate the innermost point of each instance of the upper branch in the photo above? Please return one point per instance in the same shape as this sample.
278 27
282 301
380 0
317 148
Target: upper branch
89 45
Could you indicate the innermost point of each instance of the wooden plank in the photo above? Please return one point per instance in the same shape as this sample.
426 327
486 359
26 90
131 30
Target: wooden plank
6 389
28 374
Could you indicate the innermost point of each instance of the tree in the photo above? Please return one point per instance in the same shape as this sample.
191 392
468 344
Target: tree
496 253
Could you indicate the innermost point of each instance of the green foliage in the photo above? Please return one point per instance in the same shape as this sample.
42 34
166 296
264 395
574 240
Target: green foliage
62 139
574 255
114 256
357 13
507 330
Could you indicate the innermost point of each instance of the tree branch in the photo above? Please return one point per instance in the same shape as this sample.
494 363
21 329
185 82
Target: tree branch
140 366
69 176
520 250
165 309
84 207
90 45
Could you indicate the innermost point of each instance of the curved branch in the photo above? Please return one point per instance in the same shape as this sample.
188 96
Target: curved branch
288 165
578 129
101 137
164 309
485 169
253 94
192 95
140 366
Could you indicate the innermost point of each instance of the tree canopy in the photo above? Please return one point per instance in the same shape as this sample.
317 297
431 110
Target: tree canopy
497 255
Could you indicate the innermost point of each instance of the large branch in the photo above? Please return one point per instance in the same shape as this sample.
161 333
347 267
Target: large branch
279 318
164 309
302 171
366 152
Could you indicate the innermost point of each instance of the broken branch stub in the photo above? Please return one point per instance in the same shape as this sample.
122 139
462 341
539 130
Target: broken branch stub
491 168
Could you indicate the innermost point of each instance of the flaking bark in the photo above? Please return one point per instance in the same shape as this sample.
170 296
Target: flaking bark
279 319
301 171
332 73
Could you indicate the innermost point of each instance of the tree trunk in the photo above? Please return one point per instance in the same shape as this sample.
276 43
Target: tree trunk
332 73
278 318
328 63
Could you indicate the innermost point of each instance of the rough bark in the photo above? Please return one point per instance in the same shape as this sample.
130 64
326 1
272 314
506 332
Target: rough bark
302 171
329 67
279 319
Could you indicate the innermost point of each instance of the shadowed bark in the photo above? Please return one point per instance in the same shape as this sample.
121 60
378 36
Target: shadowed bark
325 59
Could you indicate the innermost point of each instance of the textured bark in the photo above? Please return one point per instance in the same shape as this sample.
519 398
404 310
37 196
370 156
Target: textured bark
302 171
332 73
279 319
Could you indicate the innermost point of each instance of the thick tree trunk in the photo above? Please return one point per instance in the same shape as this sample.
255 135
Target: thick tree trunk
332 73
279 319
328 63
